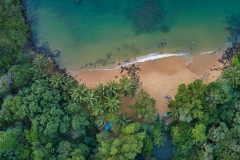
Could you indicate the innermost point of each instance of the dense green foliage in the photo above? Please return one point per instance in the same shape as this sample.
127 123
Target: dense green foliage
48 115
13 32
208 119
236 60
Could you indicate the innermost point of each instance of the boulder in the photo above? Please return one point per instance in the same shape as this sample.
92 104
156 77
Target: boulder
52 60
55 53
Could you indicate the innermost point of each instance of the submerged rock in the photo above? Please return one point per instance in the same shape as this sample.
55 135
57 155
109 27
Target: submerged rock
55 53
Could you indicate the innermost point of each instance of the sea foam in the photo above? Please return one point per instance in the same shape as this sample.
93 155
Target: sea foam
149 57
209 52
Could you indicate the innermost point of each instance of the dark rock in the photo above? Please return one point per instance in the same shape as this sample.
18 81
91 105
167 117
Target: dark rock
55 53
52 60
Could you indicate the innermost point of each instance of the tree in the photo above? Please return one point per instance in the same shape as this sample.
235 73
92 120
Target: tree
113 89
5 82
144 107
98 109
157 134
198 133
101 91
90 98
233 75
124 147
113 104
64 149
128 86
78 93
41 67
21 75
13 33
124 120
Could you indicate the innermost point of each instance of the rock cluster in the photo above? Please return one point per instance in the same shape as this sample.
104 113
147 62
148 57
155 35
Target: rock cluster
229 55
131 72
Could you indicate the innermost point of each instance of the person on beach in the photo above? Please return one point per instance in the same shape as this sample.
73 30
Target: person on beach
167 97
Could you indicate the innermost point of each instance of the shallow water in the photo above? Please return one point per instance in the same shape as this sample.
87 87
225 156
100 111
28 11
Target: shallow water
105 33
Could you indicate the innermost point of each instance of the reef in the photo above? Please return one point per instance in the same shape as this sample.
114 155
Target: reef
147 16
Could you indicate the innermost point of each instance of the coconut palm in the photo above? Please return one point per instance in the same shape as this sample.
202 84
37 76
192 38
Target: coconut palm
124 120
97 109
113 104
101 91
40 64
113 89
233 75
78 92
58 81
90 98
128 86
40 61
174 113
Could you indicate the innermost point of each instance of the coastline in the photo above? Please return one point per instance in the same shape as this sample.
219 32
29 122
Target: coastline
160 77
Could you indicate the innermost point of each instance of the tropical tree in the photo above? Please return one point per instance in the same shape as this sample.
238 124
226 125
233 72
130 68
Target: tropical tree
174 110
90 98
144 107
77 93
113 104
124 120
101 91
21 74
113 89
40 61
128 86
233 75
40 66
125 147
98 109
58 81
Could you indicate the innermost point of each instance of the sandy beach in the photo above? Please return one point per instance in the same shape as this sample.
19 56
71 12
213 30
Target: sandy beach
160 77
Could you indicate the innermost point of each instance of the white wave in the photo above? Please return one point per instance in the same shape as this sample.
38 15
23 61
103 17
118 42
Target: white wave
209 52
149 57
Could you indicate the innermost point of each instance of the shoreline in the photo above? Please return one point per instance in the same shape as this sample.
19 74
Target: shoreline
159 77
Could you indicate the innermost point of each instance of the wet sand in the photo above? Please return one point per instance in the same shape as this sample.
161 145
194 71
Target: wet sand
160 77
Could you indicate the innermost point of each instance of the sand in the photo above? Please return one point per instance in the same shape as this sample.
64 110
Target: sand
160 77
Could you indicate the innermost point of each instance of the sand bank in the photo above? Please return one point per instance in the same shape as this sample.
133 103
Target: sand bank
160 77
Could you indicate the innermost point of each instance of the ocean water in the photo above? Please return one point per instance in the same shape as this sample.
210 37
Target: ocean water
101 33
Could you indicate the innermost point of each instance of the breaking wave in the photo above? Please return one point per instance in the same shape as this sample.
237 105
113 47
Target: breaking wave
149 57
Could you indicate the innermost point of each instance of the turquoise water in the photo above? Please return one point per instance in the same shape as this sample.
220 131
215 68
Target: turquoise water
105 33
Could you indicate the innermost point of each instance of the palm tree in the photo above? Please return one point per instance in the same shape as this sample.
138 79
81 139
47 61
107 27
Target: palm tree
233 75
128 86
90 98
97 109
113 104
101 91
78 93
40 64
58 81
113 89
173 112
124 120
40 61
